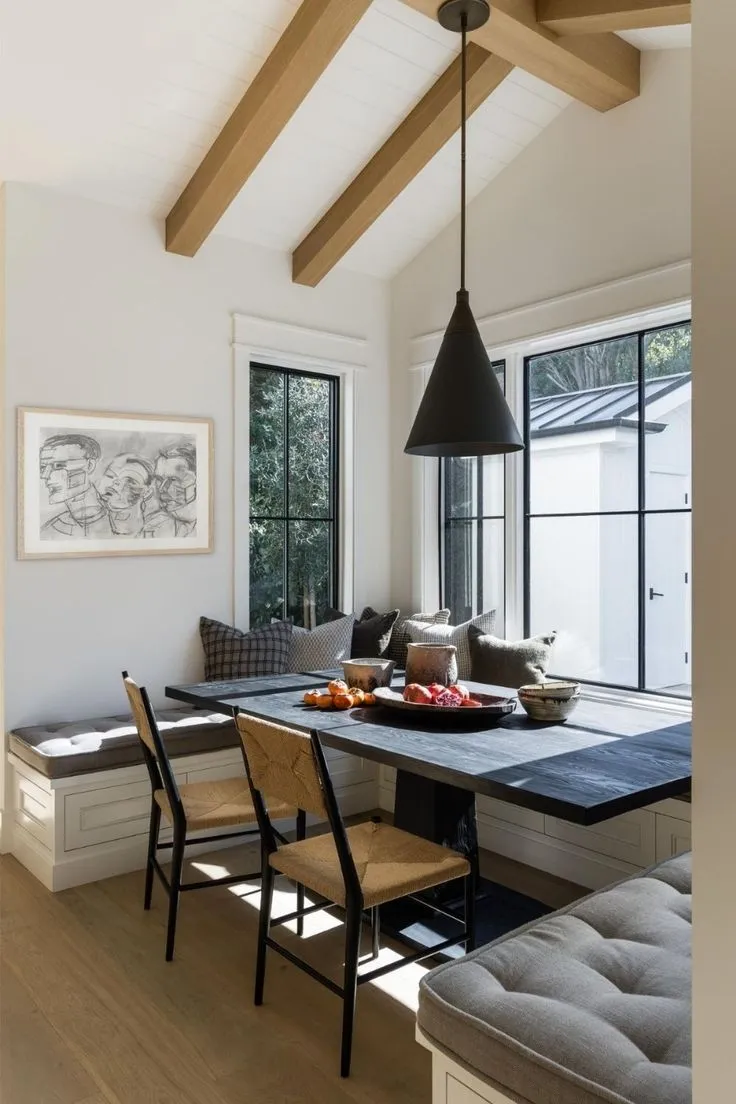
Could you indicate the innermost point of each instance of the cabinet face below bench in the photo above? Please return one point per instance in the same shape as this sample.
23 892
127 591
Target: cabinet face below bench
84 828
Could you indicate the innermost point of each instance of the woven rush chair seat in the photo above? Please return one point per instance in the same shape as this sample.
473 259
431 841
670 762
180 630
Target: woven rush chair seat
390 863
219 804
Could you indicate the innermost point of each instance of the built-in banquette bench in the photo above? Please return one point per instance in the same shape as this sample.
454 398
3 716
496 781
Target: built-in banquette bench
590 1005
81 796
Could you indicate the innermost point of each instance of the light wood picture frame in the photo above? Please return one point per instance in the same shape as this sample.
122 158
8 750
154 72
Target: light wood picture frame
93 483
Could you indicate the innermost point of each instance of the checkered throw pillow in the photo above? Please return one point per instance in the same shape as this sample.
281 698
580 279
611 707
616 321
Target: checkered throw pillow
421 633
322 648
230 653
400 634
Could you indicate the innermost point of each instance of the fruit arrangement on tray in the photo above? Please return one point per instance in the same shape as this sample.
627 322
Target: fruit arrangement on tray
448 697
338 695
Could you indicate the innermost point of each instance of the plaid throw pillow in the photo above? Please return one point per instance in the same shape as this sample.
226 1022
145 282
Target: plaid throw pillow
400 635
230 653
421 633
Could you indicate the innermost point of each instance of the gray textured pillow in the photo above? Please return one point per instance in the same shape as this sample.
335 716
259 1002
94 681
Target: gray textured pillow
453 634
400 634
322 648
506 662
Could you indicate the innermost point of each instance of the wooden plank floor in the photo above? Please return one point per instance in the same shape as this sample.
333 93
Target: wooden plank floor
90 1013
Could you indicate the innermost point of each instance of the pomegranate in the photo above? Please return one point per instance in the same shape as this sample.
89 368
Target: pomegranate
420 695
435 689
461 690
448 697
471 703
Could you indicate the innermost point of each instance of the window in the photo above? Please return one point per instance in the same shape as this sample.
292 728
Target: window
293 495
473 529
607 508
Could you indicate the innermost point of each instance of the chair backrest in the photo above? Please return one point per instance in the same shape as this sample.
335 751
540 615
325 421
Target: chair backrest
154 750
281 764
284 763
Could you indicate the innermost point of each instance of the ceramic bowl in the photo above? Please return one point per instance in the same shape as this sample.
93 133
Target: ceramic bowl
553 689
548 709
367 674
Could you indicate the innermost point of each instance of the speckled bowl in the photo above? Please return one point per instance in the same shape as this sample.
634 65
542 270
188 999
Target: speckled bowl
548 709
367 674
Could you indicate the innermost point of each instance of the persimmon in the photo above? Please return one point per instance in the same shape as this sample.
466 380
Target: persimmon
343 701
337 686
324 701
311 696
369 699
357 695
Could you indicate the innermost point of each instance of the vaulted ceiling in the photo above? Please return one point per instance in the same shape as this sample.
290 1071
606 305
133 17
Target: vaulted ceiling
326 128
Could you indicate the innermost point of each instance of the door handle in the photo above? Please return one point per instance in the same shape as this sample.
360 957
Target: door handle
654 594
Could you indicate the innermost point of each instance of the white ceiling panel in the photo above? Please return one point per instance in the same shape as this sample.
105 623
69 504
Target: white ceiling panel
120 101
661 38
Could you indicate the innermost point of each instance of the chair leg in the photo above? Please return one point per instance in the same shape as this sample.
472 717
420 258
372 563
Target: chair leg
177 864
471 886
264 922
301 831
152 842
350 986
375 931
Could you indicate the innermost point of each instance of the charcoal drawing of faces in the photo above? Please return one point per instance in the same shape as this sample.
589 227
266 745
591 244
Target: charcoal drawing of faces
67 462
175 477
125 488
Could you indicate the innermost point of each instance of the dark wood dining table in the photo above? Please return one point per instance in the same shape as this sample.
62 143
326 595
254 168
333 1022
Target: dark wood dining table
606 759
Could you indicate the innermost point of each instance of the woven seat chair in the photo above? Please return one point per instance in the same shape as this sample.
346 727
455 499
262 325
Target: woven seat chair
201 807
357 868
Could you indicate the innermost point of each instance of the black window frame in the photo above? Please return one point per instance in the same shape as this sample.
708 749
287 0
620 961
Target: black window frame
333 517
444 520
640 513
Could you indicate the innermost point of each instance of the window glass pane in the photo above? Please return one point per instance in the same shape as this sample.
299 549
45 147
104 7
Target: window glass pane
494 566
667 603
461 486
266 442
584 584
310 441
668 418
474 568
583 412
310 571
267 583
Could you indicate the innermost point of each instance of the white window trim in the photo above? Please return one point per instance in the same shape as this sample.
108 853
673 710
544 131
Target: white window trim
284 345
426 559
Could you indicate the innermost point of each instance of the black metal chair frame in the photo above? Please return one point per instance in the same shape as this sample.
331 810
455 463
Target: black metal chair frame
354 910
162 778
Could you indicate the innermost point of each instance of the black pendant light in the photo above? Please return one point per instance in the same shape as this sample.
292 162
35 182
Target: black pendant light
463 411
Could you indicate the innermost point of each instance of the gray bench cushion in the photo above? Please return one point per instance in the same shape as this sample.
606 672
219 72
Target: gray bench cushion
589 1004
77 747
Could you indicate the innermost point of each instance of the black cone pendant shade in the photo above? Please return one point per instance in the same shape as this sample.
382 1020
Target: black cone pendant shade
463 411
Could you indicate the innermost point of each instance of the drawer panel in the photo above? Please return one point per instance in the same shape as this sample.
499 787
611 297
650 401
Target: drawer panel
33 809
673 837
109 814
630 837
490 808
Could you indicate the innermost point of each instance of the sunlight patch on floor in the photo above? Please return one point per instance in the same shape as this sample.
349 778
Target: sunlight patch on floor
284 901
403 984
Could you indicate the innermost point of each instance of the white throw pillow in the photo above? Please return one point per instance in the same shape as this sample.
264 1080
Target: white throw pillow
322 648
422 633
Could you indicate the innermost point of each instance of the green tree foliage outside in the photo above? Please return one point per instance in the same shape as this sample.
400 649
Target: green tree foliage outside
666 353
291 496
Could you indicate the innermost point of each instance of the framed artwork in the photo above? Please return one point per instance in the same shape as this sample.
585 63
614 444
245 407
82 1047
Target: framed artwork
99 484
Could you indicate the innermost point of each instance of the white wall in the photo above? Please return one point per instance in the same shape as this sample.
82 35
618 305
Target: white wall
100 317
714 599
595 198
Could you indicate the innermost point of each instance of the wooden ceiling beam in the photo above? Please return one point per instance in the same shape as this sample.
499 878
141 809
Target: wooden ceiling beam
412 145
581 17
307 46
601 70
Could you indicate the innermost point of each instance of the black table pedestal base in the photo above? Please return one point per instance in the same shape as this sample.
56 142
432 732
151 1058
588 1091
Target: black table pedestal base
446 814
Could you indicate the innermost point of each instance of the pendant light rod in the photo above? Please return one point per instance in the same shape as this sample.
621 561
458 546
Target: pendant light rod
463 142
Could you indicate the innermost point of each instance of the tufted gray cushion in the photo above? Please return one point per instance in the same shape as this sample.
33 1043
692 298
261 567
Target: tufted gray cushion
590 1004
76 747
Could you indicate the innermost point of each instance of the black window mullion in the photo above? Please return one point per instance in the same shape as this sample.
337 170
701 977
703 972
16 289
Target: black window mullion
641 529
287 527
479 535
526 483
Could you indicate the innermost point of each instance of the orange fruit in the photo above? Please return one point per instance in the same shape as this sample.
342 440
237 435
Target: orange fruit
311 696
369 699
337 686
324 701
343 701
357 695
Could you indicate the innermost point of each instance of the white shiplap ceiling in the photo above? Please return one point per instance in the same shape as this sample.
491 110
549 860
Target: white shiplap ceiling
120 102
